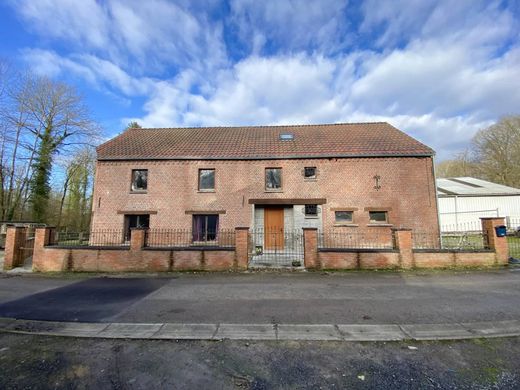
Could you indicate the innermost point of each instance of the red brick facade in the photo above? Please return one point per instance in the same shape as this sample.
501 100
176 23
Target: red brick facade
407 191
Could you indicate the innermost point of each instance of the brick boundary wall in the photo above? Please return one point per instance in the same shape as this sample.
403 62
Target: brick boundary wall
404 256
136 257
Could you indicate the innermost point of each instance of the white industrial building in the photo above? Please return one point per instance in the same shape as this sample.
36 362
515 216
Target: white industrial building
463 200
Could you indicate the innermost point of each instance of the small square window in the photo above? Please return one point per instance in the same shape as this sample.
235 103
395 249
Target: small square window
378 216
311 210
206 179
344 216
273 178
310 172
139 179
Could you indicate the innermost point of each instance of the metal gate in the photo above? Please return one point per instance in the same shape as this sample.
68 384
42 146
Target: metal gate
276 248
513 237
26 247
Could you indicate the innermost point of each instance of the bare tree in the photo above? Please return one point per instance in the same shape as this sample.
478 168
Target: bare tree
76 190
460 166
497 151
57 118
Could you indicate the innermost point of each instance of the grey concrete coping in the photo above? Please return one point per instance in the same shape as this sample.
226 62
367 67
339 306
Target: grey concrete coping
324 332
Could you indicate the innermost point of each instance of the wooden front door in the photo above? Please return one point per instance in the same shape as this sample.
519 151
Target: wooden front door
273 228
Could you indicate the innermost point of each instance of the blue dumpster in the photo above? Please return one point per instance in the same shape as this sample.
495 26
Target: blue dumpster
501 231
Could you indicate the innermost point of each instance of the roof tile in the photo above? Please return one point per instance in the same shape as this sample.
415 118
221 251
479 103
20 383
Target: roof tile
263 142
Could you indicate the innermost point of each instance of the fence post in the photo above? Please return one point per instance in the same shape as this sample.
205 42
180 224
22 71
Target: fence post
498 244
310 248
241 247
404 243
137 238
13 241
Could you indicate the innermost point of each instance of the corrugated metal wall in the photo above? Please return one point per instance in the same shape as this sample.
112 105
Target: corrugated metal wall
463 213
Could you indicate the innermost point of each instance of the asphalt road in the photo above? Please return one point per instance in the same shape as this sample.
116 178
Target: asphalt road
340 298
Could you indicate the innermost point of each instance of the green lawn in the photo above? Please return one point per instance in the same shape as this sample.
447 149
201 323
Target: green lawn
463 241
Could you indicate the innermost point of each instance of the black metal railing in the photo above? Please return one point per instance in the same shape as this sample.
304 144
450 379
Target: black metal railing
467 240
223 238
370 239
94 238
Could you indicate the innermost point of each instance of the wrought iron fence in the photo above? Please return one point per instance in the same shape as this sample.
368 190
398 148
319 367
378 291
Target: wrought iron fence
96 237
276 247
470 240
468 226
223 238
369 239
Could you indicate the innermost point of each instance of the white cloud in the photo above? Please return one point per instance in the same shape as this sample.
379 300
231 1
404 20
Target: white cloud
98 72
439 70
142 36
294 25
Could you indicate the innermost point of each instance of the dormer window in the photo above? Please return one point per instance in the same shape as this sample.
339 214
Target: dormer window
286 137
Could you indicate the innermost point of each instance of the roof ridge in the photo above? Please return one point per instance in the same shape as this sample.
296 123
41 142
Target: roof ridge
259 126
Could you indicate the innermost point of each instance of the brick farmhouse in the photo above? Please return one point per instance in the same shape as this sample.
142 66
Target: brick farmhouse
334 177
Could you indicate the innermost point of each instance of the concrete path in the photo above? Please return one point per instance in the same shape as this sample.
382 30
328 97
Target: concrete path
311 332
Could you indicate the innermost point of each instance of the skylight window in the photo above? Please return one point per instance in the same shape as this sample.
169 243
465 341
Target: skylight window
286 137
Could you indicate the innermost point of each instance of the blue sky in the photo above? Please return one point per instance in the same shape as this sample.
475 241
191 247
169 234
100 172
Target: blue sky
440 70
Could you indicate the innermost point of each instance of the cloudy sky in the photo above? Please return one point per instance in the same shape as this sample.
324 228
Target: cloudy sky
440 70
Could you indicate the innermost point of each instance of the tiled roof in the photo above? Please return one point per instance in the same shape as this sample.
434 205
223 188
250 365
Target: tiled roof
263 142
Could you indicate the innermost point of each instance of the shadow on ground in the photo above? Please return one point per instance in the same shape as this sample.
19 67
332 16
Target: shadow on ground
90 300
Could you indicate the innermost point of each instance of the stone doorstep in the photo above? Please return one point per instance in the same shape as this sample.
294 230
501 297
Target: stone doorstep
314 332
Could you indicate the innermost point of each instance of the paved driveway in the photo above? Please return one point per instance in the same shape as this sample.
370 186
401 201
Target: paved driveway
342 298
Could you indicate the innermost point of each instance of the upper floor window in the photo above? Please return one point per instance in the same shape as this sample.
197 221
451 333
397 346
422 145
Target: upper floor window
206 179
309 172
273 178
139 179
378 216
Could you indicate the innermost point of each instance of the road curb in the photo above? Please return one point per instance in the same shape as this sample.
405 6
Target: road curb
277 332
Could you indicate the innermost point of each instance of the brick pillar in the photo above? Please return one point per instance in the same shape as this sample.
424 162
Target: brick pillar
137 238
242 247
42 237
404 243
13 241
310 248
498 244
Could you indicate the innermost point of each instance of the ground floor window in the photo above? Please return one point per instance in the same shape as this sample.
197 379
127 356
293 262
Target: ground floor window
205 227
135 221
378 216
344 216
